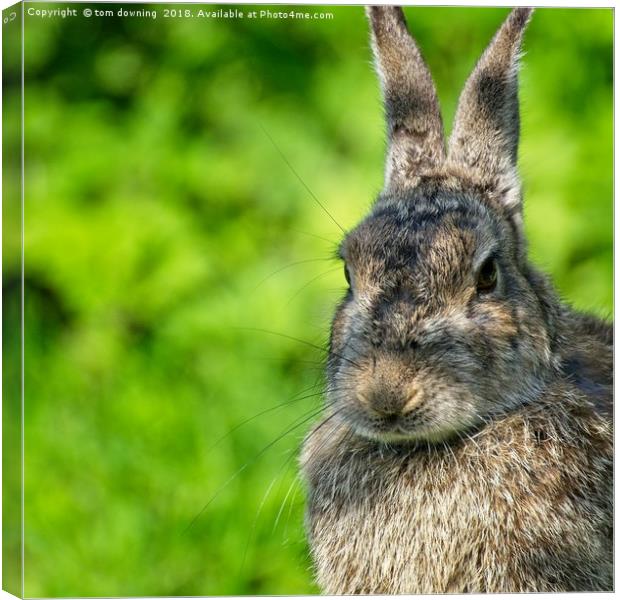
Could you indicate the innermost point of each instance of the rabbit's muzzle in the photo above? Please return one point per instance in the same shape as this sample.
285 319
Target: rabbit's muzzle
426 376
385 393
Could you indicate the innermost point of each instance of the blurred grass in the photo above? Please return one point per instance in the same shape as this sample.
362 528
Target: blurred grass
161 224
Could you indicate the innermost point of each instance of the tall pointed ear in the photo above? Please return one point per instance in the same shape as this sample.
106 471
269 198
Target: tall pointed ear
485 136
414 126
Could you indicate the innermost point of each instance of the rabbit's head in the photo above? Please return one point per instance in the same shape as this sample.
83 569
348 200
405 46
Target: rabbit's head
444 322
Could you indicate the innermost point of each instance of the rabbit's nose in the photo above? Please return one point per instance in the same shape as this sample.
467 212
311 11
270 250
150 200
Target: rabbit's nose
384 389
388 403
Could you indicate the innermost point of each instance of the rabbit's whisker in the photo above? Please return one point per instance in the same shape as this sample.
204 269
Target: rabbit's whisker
303 287
290 166
279 475
307 417
318 237
263 412
289 266
278 359
289 337
254 523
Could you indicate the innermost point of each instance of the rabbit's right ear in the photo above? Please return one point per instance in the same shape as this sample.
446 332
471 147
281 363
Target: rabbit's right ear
415 130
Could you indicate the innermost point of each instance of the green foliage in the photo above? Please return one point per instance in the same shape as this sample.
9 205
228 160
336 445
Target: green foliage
162 224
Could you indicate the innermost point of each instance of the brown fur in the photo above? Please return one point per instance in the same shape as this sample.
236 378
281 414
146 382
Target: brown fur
467 442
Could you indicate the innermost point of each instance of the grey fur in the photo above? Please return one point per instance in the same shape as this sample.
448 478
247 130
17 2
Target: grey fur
414 125
467 440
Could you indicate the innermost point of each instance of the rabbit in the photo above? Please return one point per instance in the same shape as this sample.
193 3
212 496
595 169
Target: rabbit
466 444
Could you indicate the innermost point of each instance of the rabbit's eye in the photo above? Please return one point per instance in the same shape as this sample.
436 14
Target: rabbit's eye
347 275
487 277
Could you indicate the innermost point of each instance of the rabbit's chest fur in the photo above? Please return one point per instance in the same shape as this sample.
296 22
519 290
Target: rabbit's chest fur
523 505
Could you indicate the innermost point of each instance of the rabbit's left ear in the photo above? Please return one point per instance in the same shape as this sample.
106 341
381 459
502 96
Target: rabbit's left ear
485 135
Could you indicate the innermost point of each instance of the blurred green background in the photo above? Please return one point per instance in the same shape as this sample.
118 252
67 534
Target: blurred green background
162 224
